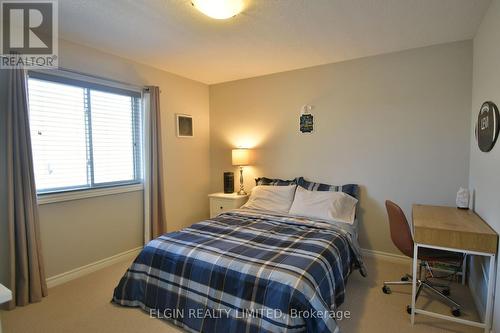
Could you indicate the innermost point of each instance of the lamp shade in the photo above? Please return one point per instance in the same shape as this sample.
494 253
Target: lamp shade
241 156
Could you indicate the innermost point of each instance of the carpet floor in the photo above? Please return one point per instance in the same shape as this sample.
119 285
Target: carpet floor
83 305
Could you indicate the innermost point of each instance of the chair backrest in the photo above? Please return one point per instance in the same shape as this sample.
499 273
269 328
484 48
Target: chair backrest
400 230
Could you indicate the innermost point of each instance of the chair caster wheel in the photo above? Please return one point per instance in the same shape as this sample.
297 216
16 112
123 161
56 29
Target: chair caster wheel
446 292
386 290
456 312
405 278
408 309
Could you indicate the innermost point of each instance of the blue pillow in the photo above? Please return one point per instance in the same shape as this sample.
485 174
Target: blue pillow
274 182
351 189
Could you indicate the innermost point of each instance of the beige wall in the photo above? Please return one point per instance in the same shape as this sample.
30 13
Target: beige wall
78 232
485 167
81 232
397 124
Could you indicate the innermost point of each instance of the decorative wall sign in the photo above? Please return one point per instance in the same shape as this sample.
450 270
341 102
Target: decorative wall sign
184 125
487 126
306 120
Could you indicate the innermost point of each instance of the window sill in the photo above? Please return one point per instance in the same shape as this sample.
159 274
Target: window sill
90 193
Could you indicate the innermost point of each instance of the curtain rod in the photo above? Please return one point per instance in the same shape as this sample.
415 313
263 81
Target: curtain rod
143 88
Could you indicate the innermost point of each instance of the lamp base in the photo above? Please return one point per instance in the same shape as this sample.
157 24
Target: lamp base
242 188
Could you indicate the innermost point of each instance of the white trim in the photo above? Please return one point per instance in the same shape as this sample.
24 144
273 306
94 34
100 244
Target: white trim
87 193
92 267
76 75
386 256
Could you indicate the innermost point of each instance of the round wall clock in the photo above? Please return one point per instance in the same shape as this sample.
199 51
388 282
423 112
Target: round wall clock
487 126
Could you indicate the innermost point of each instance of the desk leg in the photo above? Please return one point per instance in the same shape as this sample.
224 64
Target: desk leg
464 269
414 282
491 292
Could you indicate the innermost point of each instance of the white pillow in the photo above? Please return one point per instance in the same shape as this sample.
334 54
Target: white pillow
325 205
271 198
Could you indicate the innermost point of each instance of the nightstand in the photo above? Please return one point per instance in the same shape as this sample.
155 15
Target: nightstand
222 202
5 296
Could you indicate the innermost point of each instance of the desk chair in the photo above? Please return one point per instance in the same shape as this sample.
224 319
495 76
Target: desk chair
402 238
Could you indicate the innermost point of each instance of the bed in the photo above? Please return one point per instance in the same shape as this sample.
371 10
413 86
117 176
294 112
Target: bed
245 271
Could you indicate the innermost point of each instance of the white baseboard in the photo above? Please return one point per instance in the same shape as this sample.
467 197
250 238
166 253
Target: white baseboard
386 256
92 267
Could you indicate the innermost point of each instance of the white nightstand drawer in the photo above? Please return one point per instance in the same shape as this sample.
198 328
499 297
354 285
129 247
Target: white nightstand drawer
220 206
221 202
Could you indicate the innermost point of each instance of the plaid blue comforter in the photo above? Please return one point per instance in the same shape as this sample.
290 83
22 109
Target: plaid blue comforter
244 271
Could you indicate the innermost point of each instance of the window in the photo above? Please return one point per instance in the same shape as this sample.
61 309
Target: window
83 135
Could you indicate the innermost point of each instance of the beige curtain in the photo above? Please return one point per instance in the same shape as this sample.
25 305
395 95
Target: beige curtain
27 275
157 197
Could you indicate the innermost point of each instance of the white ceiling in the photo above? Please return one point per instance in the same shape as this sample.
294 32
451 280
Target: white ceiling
269 36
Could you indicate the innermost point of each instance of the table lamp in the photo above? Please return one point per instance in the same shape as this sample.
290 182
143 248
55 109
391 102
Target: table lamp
241 157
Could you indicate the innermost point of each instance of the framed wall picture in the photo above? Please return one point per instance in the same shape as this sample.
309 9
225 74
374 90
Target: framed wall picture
184 125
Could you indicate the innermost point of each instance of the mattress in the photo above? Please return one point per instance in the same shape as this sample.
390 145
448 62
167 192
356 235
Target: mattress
245 271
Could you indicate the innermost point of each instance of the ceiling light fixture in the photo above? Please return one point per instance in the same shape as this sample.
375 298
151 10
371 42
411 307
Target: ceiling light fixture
219 9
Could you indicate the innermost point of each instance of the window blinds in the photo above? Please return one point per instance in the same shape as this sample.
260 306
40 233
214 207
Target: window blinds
83 135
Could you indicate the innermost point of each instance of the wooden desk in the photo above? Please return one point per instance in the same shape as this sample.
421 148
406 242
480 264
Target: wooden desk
453 228
457 230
